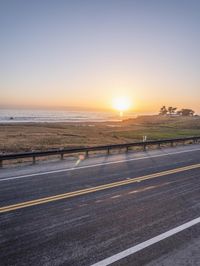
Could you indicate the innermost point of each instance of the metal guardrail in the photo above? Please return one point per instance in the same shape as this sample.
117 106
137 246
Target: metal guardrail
86 150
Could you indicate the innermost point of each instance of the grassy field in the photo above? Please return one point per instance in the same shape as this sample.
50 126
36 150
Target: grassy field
27 137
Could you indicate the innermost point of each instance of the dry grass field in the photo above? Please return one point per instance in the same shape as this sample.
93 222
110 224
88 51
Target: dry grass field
43 136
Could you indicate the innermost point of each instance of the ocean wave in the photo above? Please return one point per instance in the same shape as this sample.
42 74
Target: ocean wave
33 116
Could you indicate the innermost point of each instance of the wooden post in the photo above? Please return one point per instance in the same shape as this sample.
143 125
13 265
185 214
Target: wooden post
172 144
108 151
127 148
86 154
1 163
34 161
144 147
62 156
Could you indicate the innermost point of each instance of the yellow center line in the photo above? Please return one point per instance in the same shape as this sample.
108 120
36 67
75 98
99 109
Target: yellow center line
94 189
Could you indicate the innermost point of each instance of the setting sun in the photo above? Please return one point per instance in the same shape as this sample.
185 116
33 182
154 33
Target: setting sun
121 104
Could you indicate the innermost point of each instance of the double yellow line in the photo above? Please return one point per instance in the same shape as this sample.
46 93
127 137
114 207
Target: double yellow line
94 189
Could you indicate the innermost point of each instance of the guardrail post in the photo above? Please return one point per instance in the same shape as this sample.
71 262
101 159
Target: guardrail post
106 148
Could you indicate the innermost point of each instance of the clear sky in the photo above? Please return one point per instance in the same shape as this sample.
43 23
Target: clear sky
85 53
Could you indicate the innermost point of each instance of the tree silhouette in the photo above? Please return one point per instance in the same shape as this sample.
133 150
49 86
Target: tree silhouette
171 110
186 112
163 110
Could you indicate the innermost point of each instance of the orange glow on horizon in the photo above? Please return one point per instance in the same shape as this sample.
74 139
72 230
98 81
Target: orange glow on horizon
121 104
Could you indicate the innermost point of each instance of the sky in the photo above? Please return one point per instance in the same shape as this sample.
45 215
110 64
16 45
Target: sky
85 53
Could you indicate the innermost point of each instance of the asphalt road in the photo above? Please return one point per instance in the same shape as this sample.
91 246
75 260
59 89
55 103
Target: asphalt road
83 212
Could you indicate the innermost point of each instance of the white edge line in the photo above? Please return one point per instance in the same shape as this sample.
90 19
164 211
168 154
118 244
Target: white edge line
143 245
95 165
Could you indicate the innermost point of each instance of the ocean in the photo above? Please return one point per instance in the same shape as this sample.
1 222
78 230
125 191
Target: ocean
41 116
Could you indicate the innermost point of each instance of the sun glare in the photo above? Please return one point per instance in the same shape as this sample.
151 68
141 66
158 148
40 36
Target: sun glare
121 104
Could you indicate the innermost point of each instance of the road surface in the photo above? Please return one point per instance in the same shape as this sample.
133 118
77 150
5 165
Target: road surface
125 209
